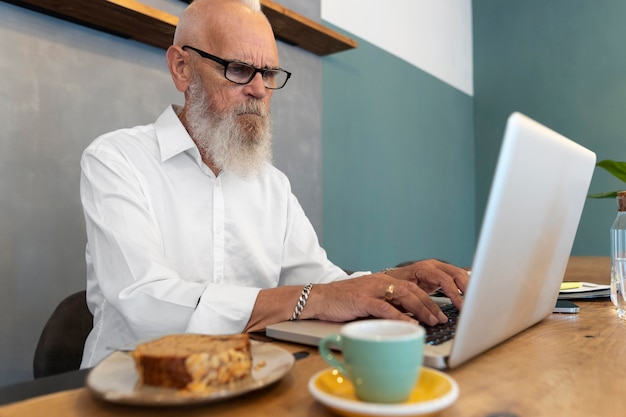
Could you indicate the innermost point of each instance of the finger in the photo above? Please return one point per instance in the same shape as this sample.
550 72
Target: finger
460 276
451 279
452 292
450 288
413 299
386 310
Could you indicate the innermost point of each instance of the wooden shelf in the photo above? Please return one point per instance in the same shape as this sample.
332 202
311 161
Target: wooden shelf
297 30
131 19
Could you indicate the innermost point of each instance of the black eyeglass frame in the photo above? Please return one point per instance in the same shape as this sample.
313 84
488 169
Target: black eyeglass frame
225 63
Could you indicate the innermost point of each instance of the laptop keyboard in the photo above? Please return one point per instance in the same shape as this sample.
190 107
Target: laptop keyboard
440 333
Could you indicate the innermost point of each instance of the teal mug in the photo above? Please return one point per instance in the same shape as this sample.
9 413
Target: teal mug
382 358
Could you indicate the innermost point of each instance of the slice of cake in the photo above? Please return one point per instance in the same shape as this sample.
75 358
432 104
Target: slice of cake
193 362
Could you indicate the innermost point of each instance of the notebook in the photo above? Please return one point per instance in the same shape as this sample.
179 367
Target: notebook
531 218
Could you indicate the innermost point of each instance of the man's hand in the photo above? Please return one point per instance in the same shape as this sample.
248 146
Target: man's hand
407 289
431 275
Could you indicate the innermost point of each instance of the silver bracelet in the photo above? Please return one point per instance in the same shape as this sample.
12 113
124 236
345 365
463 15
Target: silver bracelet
386 270
304 296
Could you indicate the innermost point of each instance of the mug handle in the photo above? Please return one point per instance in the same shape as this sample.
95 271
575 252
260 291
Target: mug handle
327 354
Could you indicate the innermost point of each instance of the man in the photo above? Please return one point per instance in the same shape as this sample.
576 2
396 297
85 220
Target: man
190 228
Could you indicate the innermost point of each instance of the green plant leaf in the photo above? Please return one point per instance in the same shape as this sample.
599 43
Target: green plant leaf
615 168
608 194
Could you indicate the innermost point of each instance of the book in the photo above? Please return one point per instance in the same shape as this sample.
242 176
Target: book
571 290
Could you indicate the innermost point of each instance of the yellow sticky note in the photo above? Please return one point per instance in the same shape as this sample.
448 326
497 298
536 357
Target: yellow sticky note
570 285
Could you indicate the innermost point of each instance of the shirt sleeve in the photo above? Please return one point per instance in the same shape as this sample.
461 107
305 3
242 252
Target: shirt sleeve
304 260
223 309
124 248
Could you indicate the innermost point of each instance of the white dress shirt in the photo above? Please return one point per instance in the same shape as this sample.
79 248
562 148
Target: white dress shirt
173 248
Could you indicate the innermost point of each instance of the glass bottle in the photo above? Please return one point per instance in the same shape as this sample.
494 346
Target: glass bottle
618 256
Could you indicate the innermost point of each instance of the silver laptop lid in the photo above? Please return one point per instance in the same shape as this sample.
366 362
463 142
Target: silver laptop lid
532 215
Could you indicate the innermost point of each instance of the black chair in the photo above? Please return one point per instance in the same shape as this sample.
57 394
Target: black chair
60 346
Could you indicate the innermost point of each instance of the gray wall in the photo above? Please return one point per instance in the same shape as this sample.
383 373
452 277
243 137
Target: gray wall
61 85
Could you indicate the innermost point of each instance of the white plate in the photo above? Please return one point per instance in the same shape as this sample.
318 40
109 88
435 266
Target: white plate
115 379
433 392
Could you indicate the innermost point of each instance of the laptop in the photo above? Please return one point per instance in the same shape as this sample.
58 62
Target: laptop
535 203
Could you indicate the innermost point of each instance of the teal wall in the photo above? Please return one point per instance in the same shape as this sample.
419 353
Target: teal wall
398 162
562 62
408 160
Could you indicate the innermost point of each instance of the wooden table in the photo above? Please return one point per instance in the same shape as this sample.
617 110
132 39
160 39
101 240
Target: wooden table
567 365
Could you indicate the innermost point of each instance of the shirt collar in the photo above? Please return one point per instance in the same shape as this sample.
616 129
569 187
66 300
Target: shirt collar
172 136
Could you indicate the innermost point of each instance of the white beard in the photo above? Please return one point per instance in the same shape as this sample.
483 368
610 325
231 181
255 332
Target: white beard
237 143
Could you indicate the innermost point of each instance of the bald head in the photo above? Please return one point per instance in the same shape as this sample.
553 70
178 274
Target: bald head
204 18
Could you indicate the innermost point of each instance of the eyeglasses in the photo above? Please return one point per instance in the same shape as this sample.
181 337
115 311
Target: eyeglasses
242 73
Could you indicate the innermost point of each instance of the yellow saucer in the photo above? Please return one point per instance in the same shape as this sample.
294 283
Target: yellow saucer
433 392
